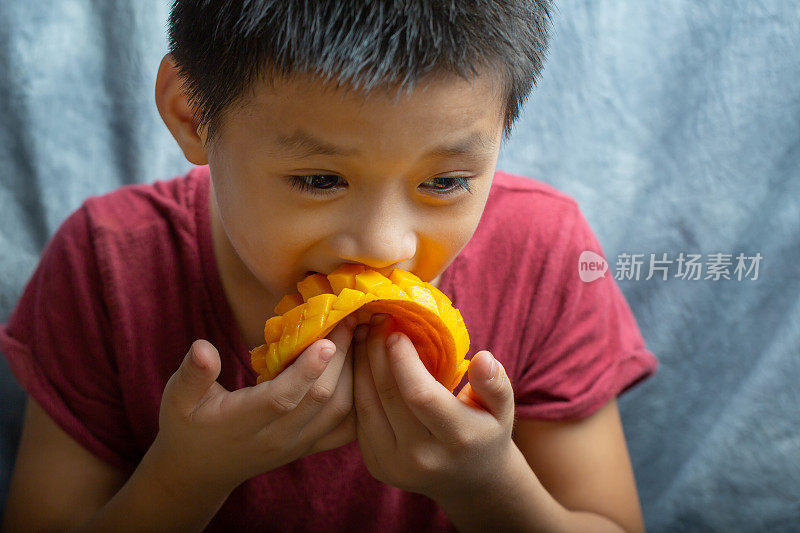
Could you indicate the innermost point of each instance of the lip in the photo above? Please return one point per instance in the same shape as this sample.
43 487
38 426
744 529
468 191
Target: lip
385 271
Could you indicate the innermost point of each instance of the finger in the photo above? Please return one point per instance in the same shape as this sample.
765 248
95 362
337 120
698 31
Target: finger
319 400
282 395
489 386
340 404
267 401
195 379
345 432
430 402
371 423
405 424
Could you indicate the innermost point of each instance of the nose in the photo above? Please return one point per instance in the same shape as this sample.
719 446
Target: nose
379 246
379 230
381 255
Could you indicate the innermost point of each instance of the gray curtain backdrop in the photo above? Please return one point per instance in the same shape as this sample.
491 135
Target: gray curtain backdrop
674 124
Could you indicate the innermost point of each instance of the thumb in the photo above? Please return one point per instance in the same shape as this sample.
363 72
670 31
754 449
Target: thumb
489 385
197 373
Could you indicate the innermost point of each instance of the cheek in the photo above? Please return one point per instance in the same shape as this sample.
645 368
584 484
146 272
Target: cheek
251 225
268 235
455 227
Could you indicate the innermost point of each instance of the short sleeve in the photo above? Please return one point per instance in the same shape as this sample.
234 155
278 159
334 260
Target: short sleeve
58 345
587 348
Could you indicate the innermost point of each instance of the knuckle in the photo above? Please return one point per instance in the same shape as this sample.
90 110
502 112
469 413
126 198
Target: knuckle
341 408
422 397
422 460
389 391
281 403
310 373
366 406
319 393
460 439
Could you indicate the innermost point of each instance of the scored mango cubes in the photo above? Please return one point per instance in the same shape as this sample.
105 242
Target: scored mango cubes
420 310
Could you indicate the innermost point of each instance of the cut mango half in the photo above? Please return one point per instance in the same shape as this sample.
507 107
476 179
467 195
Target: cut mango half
420 310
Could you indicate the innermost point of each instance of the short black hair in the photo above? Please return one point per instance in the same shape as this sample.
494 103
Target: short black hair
221 48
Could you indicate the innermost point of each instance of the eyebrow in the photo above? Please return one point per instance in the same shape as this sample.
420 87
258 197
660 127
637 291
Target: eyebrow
304 144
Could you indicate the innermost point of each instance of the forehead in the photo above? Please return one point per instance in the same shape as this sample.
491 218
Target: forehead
447 114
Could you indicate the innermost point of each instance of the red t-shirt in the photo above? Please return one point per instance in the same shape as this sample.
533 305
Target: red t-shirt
129 280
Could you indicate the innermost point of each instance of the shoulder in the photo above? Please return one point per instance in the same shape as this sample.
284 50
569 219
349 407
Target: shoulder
507 181
127 229
523 216
514 266
147 236
509 187
141 236
140 206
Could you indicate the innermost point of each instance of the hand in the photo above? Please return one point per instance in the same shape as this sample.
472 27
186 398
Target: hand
416 435
228 437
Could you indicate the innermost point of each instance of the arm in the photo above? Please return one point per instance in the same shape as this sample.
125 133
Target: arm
209 441
585 465
57 484
565 476
462 451
158 497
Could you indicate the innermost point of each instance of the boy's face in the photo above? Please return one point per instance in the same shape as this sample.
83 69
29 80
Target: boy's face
377 203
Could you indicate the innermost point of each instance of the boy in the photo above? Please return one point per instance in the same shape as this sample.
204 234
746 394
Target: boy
309 155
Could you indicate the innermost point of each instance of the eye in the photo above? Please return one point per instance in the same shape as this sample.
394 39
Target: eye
324 184
450 186
311 182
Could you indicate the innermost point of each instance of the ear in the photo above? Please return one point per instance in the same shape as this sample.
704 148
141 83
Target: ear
177 114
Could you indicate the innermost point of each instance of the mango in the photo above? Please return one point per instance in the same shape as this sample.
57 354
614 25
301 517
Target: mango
420 310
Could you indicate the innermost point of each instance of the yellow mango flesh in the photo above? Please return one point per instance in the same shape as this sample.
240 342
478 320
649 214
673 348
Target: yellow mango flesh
420 310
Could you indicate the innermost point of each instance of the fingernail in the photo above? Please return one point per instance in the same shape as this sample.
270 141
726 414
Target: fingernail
378 319
494 369
326 353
